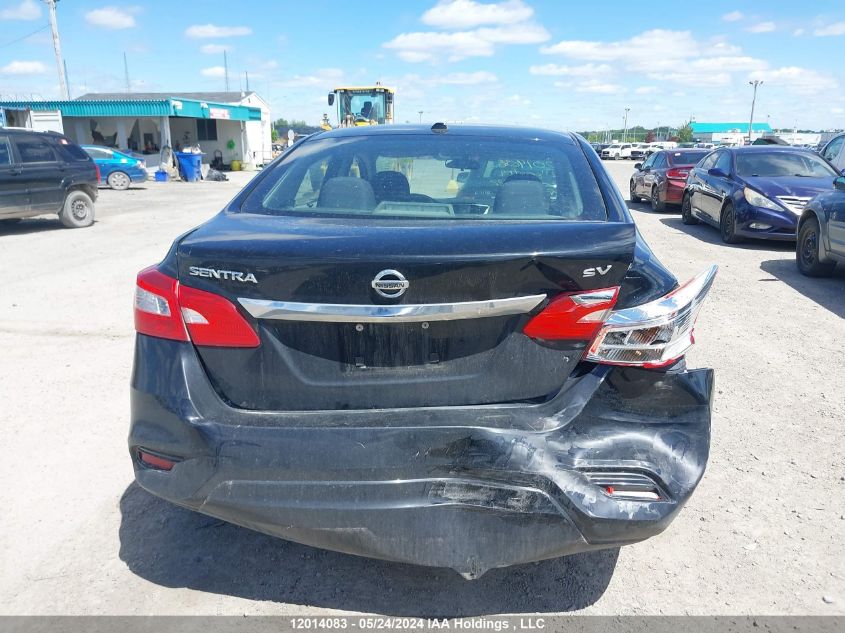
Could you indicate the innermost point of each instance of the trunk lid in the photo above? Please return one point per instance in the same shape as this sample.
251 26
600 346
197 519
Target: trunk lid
305 364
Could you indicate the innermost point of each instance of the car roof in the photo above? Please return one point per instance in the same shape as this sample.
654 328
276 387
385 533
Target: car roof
26 130
788 149
486 131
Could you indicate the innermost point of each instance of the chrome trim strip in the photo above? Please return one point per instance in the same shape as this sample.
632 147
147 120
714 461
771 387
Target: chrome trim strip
352 313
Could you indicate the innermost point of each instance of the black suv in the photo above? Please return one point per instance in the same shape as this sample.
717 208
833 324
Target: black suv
45 172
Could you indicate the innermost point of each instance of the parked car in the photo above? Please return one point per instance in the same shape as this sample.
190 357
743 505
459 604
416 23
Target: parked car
599 147
638 150
45 173
834 152
359 358
755 191
821 232
118 169
661 179
617 151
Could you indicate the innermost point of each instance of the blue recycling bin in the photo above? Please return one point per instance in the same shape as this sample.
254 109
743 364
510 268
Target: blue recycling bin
190 165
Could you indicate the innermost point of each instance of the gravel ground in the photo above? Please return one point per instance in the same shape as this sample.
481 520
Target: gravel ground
762 535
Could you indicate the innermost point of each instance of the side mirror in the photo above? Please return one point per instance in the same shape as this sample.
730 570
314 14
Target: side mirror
638 165
839 183
716 172
331 98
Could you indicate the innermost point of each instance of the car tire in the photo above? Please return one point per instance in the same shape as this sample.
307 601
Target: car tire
807 251
78 210
632 196
119 180
686 211
727 225
657 205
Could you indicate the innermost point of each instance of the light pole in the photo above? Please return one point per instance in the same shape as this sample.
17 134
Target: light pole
421 113
754 83
57 48
625 124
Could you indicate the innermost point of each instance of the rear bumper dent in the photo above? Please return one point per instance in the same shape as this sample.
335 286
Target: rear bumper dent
429 487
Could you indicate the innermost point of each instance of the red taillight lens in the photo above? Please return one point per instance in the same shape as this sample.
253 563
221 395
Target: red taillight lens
97 170
214 321
163 308
156 306
155 461
573 316
677 173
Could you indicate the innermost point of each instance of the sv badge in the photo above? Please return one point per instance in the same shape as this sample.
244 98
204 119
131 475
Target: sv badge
597 270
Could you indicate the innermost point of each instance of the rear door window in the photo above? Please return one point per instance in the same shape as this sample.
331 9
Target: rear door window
5 152
444 178
35 150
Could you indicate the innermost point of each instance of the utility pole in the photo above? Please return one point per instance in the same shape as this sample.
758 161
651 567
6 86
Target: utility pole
754 83
420 113
67 81
57 47
226 69
126 73
625 124
246 75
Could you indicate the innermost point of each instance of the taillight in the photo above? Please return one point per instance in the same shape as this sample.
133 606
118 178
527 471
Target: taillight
677 173
655 334
166 309
573 316
97 171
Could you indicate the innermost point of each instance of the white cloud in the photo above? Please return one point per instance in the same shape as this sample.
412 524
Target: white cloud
112 18
214 49
646 90
837 28
323 78
591 86
519 100
23 68
203 31
453 79
465 14
762 27
213 71
798 32
733 16
555 70
797 80
432 46
26 10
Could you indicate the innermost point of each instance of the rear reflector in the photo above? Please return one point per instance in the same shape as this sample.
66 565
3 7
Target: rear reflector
655 334
573 316
155 461
166 309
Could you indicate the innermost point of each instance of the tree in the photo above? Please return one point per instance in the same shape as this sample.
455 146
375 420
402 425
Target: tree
685 133
274 135
649 138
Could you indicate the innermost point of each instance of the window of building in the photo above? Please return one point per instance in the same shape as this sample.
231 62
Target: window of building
206 130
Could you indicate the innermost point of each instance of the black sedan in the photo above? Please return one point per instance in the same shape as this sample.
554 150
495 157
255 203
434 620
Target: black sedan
757 191
364 354
821 232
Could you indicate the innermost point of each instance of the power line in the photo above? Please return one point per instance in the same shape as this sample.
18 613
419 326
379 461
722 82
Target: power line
46 26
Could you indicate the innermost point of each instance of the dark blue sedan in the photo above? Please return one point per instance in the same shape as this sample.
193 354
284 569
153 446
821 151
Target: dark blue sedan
756 192
821 232
118 169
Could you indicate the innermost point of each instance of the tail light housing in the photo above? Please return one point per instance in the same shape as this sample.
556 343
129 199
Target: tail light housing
97 171
677 173
654 334
166 309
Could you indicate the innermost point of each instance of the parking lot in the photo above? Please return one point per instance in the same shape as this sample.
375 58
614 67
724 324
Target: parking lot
763 534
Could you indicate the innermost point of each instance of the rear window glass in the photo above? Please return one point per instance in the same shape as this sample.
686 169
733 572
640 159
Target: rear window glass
34 150
685 158
774 164
437 178
73 150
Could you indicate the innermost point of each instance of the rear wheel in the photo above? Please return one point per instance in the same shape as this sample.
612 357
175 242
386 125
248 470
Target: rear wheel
727 225
686 211
657 205
118 180
807 251
633 197
78 210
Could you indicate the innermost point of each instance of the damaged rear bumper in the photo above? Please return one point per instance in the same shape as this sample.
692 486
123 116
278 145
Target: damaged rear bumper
608 461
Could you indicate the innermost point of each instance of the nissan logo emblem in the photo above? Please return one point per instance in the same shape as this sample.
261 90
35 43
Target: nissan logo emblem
390 284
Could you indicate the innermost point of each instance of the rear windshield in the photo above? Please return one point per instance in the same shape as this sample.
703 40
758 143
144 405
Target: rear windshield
685 158
434 177
774 164
73 150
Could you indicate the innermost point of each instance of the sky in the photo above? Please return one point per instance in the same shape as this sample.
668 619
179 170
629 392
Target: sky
549 63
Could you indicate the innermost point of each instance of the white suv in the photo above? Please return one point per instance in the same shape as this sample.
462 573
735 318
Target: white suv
617 151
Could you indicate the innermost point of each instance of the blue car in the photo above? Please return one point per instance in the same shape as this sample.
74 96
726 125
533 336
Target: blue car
821 232
757 191
118 169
